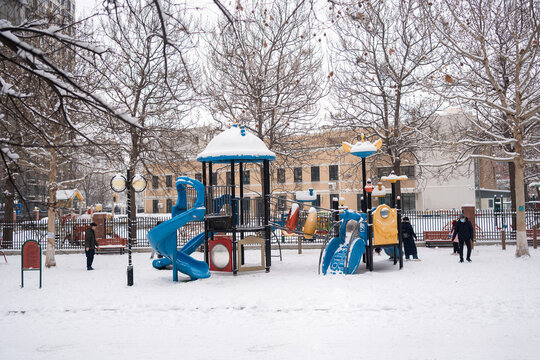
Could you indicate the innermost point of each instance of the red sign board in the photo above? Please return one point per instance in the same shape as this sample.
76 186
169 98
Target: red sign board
31 259
31 255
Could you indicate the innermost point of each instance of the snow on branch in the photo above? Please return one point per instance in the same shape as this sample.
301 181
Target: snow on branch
34 62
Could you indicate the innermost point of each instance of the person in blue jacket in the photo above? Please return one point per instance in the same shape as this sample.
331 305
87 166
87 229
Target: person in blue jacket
465 233
409 237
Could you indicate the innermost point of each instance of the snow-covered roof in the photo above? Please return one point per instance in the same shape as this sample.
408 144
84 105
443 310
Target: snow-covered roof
378 193
362 148
393 177
66 195
309 195
236 143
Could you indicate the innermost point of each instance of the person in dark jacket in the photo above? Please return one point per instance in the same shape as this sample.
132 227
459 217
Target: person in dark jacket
465 234
455 243
90 245
408 235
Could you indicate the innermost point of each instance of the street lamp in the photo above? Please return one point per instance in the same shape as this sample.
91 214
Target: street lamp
120 183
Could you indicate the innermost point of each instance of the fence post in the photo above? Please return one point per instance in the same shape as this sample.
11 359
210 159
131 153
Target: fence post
503 238
535 237
299 243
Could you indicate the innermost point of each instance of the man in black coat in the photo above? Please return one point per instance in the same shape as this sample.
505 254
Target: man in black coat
465 233
408 235
90 245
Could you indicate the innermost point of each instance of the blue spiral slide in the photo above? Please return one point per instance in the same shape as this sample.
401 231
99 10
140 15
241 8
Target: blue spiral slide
162 238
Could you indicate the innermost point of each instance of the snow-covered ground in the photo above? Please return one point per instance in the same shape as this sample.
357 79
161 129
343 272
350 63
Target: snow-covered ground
433 309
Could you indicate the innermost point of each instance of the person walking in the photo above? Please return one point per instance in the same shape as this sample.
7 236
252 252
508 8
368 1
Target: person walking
409 237
455 243
90 245
465 234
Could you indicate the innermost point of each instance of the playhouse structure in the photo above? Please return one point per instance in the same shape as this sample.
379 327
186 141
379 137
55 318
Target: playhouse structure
232 221
360 233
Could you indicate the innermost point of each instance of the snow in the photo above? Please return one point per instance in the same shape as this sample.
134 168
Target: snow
433 309
309 195
365 146
235 142
63 195
393 177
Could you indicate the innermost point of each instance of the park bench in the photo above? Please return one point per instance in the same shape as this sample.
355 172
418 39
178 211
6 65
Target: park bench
530 236
437 238
115 243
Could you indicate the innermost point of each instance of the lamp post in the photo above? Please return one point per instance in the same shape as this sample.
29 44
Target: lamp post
136 183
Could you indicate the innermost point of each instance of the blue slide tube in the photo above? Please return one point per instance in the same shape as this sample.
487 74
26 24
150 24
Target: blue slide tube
162 238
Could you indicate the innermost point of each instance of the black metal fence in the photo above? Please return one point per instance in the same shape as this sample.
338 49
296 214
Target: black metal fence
70 234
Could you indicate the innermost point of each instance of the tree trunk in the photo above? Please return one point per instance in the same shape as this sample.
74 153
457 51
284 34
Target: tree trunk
522 247
51 210
513 207
7 231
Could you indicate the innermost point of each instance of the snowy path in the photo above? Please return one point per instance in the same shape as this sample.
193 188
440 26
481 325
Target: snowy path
433 309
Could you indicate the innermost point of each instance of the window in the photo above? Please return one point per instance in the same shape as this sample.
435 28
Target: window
155 182
318 201
408 202
155 206
298 174
247 178
280 175
282 204
169 205
332 197
315 174
214 178
168 181
333 172
198 177
228 179
408 170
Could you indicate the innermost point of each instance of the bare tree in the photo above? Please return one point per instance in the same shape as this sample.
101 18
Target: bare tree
264 71
381 62
151 76
494 70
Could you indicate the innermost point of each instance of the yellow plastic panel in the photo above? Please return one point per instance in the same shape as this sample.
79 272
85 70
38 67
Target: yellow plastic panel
311 224
385 231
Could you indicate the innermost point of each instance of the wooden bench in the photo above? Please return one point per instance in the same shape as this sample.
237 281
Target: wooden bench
115 243
437 238
530 236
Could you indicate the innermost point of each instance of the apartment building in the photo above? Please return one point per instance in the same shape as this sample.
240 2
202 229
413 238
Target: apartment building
320 163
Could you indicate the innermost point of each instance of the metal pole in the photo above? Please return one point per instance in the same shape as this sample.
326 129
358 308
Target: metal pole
400 238
369 248
241 207
207 203
235 219
266 203
393 194
364 202
130 228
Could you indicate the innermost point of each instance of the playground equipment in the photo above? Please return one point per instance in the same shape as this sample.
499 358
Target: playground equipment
163 237
360 233
232 221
